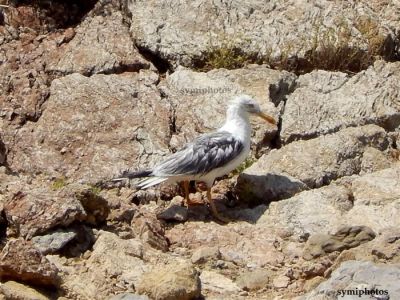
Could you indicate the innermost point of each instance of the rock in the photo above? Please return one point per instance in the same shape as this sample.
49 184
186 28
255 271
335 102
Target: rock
374 160
174 213
288 33
54 241
129 296
361 275
215 282
281 281
15 290
178 282
94 127
32 210
309 211
96 207
325 102
113 262
254 280
150 230
387 246
309 164
205 254
347 237
96 48
200 99
241 243
21 261
376 199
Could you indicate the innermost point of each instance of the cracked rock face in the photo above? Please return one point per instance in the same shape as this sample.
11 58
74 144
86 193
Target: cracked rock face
93 127
116 85
184 32
338 101
309 164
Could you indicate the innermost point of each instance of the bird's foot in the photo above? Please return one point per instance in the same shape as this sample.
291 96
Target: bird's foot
217 215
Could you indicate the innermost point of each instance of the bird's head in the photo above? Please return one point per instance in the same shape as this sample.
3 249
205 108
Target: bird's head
247 104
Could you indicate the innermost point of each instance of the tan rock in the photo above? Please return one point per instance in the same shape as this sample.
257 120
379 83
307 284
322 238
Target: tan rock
345 238
217 283
309 164
254 280
18 291
180 282
96 48
325 102
94 127
31 210
281 281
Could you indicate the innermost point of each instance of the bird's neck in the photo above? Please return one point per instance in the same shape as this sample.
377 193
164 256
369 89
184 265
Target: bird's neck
237 123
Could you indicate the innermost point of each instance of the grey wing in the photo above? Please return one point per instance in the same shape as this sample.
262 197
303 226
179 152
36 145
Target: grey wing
207 152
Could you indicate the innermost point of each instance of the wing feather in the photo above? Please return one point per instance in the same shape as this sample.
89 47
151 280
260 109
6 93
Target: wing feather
207 152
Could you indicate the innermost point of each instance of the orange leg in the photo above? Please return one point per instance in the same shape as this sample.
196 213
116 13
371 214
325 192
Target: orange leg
214 208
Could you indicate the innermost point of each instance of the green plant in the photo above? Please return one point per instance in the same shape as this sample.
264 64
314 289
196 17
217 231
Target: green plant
59 183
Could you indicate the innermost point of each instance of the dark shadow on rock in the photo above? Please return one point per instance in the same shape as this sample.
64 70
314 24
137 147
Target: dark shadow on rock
262 189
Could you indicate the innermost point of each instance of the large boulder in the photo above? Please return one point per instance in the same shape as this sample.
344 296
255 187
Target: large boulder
93 127
309 164
294 33
100 44
324 102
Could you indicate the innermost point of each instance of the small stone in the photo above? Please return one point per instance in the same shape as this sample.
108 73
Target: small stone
174 213
52 242
205 254
281 281
253 280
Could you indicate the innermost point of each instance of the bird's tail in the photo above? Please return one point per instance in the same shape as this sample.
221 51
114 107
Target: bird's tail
131 175
148 182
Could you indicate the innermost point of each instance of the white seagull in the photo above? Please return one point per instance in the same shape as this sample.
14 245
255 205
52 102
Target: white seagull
210 155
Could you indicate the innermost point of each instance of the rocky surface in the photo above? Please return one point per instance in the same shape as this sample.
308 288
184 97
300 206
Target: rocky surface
326 102
115 85
296 30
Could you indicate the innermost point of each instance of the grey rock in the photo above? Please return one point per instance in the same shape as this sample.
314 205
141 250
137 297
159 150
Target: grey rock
53 241
309 164
286 30
180 282
129 296
101 44
324 102
345 238
94 127
281 281
359 274
174 213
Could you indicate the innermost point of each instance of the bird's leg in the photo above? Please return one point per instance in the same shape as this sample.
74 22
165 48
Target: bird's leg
186 188
214 208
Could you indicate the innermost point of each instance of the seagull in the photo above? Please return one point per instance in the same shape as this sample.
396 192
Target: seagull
210 155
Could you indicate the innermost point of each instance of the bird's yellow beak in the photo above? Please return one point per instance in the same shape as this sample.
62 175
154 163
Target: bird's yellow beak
267 118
